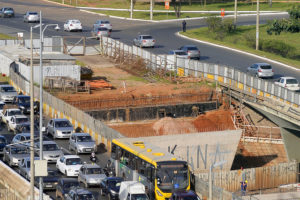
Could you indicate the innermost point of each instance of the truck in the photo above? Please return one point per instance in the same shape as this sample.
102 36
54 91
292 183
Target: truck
132 190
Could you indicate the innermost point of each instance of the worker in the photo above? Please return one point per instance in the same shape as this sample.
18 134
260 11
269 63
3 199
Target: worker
183 25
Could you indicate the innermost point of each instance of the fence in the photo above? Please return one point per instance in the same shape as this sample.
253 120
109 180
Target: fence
258 178
186 67
6 194
265 134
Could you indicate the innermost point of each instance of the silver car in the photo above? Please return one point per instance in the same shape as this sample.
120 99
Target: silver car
12 154
82 143
179 54
91 174
60 128
31 17
51 151
192 51
24 167
261 70
144 41
99 32
7 93
103 24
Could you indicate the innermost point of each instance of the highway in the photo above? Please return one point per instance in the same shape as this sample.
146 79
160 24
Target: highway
126 30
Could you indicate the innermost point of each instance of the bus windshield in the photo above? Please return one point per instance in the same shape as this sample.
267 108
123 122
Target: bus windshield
172 175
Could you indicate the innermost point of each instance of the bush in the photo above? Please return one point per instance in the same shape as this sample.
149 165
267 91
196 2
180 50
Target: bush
278 47
294 12
214 23
229 26
250 40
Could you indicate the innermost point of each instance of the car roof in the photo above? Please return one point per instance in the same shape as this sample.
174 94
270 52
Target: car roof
28 158
59 119
80 134
13 109
260 64
177 50
1 102
23 134
6 85
288 77
17 146
20 116
82 191
71 156
114 178
91 166
21 95
49 142
68 179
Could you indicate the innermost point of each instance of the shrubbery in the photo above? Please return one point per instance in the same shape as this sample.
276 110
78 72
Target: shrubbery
220 27
278 47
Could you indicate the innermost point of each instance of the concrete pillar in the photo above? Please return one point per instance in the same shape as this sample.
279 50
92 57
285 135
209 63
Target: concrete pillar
117 168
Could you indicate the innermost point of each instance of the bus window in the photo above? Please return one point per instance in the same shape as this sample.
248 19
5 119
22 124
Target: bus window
114 152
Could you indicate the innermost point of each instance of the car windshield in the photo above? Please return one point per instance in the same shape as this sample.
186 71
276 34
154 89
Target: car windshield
10 9
2 140
8 89
181 53
14 112
33 13
291 81
114 184
50 147
75 22
266 67
28 164
73 161
102 29
147 37
171 175
139 197
85 197
93 170
68 185
18 151
63 124
21 120
24 100
86 138
193 48
52 173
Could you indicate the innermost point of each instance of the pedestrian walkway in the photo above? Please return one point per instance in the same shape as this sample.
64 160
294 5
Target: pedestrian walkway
274 196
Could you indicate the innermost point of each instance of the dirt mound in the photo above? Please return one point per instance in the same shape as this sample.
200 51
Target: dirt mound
171 126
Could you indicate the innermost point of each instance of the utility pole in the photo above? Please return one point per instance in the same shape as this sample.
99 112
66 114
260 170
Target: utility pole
131 8
151 9
257 25
235 11
31 121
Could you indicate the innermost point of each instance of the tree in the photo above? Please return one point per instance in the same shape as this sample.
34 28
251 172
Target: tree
177 7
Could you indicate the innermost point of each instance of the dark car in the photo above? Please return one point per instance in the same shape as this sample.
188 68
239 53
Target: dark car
184 195
23 103
192 51
3 143
25 128
77 193
7 12
50 181
64 186
110 186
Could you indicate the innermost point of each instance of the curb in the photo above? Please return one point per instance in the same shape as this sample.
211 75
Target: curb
239 51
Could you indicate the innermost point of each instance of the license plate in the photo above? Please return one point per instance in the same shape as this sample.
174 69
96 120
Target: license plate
88 149
49 186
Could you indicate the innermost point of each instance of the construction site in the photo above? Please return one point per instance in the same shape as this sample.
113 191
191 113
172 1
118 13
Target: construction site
149 105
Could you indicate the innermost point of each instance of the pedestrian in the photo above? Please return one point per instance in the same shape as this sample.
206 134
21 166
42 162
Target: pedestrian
245 187
183 25
242 188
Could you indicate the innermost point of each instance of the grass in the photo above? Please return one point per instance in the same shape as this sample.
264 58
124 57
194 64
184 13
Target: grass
238 41
134 78
81 64
6 37
125 4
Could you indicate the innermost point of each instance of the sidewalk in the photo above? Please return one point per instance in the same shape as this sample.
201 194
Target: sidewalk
274 196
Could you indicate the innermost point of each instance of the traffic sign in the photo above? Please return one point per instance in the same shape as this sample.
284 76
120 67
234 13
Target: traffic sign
167 5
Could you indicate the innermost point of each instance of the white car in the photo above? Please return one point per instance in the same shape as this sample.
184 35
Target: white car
73 25
15 121
8 113
144 41
290 83
103 24
69 165
60 128
31 17
2 104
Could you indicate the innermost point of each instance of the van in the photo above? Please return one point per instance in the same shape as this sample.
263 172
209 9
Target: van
132 190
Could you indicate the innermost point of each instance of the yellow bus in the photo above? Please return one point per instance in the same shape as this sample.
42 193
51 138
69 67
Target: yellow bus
161 172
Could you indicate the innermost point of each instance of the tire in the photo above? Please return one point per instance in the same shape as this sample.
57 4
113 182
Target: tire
66 173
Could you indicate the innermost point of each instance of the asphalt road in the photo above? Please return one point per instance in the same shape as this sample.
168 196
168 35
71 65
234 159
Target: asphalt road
102 159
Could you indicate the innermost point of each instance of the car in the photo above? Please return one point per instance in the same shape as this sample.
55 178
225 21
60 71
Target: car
7 93
24 167
49 182
23 103
91 174
144 41
261 70
21 138
78 193
103 24
31 17
99 32
69 165
7 12
179 54
2 104
3 143
73 25
16 121
184 195
290 83
192 51
64 185
9 113
51 151
12 154
110 186
82 143
59 128
25 128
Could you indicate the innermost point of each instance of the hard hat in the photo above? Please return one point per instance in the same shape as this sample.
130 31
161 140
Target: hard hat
246 181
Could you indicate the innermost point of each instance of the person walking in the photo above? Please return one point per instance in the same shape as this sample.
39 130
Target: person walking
245 187
183 25
242 188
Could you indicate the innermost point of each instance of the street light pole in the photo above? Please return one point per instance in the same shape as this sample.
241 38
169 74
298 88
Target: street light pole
31 121
235 11
257 26
41 104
